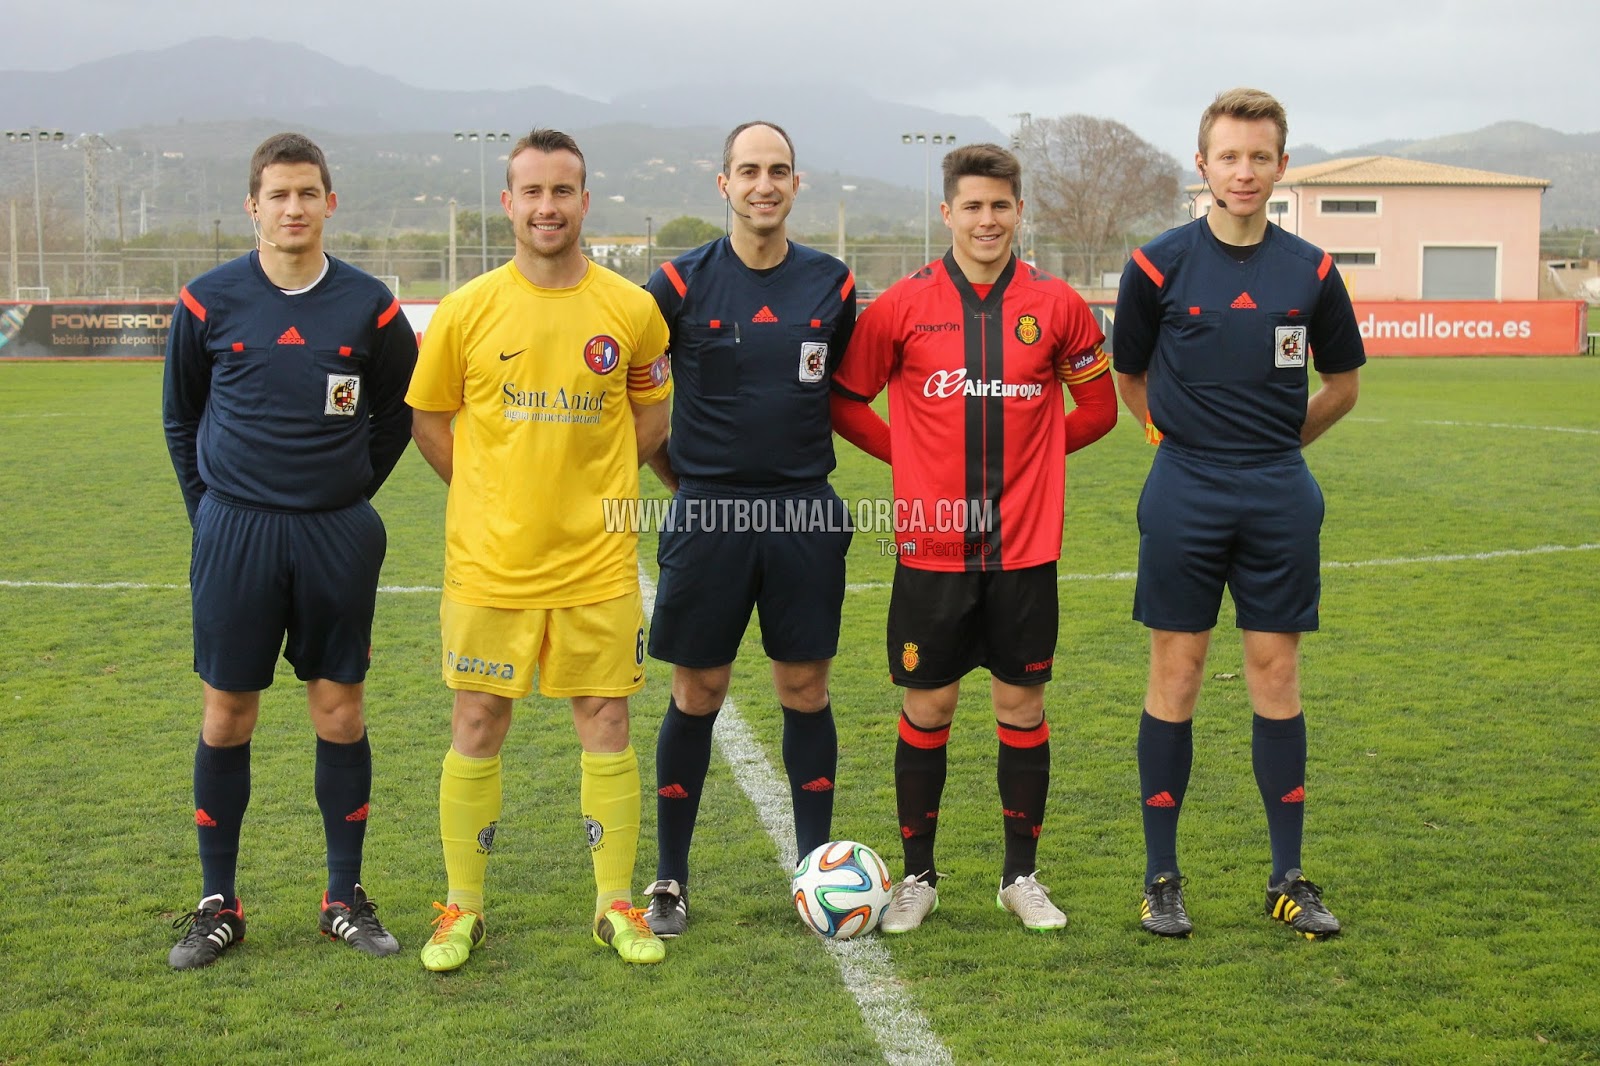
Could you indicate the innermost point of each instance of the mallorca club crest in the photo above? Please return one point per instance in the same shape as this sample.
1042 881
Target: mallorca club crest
1028 329
909 657
602 354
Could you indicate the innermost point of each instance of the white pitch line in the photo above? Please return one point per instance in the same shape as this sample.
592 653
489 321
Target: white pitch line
1511 425
902 1033
1481 425
872 586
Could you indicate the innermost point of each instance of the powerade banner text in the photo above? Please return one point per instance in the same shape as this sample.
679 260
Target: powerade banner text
74 330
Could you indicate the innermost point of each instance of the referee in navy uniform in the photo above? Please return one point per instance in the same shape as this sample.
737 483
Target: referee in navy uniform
758 324
284 407
1218 323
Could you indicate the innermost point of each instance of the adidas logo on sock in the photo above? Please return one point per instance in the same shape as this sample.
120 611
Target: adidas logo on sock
292 336
765 315
673 792
1295 795
201 818
359 814
1243 303
821 784
1161 799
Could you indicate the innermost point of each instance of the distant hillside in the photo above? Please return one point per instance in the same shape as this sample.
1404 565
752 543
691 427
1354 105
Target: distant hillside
185 119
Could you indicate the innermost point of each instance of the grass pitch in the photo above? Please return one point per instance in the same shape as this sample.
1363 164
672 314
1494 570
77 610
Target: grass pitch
1451 701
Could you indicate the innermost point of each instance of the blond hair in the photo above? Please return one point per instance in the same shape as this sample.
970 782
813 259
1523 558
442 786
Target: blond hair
1247 105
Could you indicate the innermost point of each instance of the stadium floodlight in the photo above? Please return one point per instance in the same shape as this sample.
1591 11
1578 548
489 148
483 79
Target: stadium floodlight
33 135
927 141
482 136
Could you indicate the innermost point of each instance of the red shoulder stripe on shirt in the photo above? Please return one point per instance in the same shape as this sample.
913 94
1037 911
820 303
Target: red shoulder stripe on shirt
1322 268
677 279
388 316
1149 268
849 286
196 308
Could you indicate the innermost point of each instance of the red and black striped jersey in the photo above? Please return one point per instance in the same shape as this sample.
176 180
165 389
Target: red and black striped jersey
976 415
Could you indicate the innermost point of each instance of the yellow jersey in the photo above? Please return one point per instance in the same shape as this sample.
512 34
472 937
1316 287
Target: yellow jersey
540 381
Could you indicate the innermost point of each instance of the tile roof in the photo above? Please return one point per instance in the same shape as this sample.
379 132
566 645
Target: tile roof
1389 170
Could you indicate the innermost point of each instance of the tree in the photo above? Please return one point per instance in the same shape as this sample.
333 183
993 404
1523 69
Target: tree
686 231
1092 180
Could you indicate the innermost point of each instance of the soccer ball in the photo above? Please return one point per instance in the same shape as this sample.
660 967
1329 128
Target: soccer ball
841 889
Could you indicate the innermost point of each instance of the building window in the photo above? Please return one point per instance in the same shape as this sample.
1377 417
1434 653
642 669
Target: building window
1355 259
1348 207
1278 207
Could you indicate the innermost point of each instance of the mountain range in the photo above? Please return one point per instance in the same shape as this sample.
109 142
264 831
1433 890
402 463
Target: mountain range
184 119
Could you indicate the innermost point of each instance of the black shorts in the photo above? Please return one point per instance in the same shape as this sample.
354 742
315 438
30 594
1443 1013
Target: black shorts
1253 528
722 556
257 577
942 624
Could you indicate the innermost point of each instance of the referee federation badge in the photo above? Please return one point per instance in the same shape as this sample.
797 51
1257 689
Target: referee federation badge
813 360
343 393
1289 347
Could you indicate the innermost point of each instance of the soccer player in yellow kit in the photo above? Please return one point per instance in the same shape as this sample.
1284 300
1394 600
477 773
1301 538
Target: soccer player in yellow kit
554 373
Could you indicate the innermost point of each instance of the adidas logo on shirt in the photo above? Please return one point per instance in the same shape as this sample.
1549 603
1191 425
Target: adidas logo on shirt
292 336
1243 303
765 315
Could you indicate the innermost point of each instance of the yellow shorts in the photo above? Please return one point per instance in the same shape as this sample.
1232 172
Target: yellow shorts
596 649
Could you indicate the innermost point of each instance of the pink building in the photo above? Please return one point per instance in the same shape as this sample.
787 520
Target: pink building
1404 230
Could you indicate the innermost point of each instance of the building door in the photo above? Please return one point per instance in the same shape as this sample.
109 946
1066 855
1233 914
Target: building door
1456 273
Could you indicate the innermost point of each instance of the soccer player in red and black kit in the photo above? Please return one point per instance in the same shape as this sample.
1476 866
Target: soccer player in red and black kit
974 349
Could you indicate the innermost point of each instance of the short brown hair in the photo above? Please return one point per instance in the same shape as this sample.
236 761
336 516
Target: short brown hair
981 161
1247 105
287 148
547 141
727 145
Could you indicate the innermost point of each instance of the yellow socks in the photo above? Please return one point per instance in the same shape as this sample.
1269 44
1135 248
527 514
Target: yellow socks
469 808
610 799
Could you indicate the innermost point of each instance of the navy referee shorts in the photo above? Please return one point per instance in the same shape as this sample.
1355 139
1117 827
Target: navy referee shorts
305 583
1255 528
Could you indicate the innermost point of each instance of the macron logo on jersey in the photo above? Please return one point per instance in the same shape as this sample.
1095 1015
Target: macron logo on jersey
291 336
942 384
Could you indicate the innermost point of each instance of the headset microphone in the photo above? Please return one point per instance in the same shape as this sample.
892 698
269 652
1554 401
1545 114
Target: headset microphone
255 224
1206 174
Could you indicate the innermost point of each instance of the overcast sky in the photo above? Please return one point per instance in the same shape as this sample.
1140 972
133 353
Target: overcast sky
1349 72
